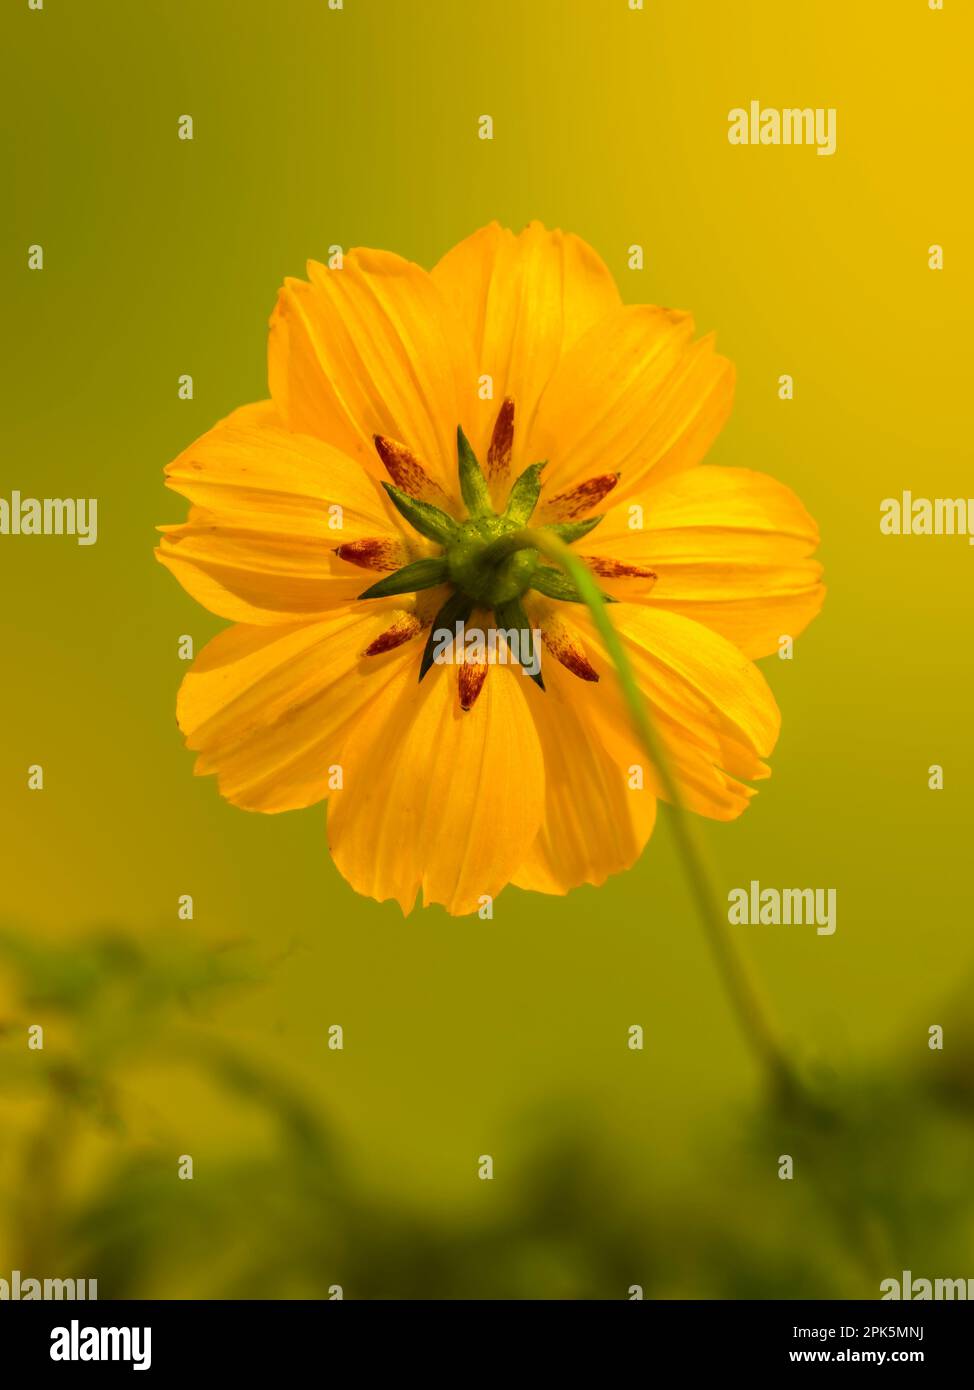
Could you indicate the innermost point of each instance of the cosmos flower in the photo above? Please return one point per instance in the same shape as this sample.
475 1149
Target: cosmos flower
420 428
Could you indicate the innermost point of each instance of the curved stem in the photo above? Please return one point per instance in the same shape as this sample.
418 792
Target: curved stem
743 995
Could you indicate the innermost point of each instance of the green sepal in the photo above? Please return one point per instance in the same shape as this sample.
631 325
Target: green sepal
524 494
423 517
457 609
420 574
569 531
554 584
473 484
512 614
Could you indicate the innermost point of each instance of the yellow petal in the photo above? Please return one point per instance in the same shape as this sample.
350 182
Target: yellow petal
595 823
372 348
267 708
524 300
730 548
269 510
711 706
435 797
635 393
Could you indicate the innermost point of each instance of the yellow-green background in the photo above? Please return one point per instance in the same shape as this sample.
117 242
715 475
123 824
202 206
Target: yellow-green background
162 257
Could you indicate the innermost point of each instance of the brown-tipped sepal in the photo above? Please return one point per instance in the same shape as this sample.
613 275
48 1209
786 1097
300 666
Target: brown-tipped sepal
577 501
470 681
406 471
606 568
404 629
565 646
501 442
373 553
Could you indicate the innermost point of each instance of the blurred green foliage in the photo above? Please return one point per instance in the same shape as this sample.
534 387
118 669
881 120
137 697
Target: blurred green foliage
882 1178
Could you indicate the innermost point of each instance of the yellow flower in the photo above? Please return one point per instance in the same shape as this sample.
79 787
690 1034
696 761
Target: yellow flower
475 776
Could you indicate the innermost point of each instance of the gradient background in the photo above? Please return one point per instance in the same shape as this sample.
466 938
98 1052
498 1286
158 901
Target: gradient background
462 1037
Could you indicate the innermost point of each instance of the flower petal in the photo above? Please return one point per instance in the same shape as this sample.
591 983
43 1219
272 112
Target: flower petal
267 708
711 707
372 348
270 508
524 300
594 824
730 548
438 797
635 393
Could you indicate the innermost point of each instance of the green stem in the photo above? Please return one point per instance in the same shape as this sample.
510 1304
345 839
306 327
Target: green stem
743 995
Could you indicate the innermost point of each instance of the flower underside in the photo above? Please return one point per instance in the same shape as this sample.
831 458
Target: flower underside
486 557
482 558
